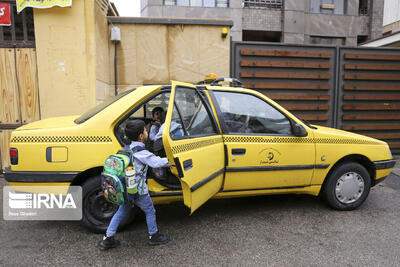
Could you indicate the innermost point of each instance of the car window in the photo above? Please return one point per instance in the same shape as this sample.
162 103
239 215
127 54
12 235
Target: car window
93 111
190 116
145 110
245 113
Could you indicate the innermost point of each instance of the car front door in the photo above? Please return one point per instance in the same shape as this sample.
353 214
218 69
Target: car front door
262 151
192 138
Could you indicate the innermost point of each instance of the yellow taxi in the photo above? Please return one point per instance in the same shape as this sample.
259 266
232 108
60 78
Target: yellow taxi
233 142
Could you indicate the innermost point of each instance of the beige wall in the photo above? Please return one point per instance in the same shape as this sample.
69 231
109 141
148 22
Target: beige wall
66 58
394 27
159 53
75 56
102 37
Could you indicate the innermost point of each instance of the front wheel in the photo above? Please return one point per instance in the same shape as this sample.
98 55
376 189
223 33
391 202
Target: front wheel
96 210
347 186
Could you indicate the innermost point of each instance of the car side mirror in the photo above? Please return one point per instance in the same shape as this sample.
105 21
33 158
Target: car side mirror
299 130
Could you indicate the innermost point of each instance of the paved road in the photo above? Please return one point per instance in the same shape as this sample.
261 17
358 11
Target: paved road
273 231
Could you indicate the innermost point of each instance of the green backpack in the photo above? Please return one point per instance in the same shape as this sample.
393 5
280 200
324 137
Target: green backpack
119 177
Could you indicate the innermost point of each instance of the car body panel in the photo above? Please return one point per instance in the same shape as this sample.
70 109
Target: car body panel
268 161
333 145
57 122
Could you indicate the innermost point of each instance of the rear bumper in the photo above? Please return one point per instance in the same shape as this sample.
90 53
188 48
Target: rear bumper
39 177
384 164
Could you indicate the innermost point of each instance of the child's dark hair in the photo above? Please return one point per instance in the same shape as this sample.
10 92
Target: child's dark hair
134 128
159 109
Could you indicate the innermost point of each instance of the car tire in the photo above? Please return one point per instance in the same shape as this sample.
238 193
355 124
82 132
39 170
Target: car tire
347 186
96 210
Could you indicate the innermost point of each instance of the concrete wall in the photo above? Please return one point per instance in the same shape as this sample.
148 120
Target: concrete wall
155 8
376 22
296 22
65 47
299 24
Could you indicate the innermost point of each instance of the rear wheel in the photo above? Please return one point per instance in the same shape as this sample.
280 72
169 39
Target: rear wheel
347 186
96 210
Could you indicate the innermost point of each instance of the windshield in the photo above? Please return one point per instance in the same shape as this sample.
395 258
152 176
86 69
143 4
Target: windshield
93 111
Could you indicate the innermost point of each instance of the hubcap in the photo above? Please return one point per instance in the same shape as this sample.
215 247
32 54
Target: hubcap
349 187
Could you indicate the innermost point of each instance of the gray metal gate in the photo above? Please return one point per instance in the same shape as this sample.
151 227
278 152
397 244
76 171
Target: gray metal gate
355 89
369 93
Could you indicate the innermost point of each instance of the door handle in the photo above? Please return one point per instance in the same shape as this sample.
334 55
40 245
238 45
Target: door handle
187 164
238 151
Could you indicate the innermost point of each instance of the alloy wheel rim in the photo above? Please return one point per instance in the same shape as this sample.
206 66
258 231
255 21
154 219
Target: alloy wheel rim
349 187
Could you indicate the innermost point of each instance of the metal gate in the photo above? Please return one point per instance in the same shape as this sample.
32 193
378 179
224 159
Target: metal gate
354 89
369 93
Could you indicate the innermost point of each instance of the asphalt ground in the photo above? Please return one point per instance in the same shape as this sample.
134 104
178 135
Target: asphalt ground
287 230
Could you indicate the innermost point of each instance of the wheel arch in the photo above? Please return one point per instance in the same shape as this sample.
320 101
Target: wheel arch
360 159
82 176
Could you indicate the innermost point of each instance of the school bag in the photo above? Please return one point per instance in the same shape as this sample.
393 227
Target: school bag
120 177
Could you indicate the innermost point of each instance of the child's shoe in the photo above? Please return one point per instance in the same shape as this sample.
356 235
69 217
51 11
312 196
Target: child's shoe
109 242
158 239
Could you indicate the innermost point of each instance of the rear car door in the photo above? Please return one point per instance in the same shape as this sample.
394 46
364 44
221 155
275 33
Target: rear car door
192 138
262 151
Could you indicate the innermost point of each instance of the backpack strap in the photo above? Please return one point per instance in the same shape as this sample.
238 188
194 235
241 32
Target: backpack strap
137 149
144 168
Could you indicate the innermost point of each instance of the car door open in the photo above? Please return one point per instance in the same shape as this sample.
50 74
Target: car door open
193 140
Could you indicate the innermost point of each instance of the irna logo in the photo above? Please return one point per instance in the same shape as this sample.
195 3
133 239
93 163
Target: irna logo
39 201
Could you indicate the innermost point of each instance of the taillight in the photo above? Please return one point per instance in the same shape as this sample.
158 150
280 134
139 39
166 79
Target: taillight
14 156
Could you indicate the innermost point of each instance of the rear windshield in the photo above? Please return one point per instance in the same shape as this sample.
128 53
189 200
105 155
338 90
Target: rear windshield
93 111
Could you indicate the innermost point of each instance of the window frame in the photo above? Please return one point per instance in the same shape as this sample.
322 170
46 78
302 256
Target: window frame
175 3
222 121
27 40
343 38
163 90
263 4
320 8
209 113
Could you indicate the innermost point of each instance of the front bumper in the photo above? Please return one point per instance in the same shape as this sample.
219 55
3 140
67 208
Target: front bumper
39 177
384 164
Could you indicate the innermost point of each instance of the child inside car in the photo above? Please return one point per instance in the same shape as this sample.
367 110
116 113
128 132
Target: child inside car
158 115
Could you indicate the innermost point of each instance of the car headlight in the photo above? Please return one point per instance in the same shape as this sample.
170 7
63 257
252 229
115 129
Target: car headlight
390 152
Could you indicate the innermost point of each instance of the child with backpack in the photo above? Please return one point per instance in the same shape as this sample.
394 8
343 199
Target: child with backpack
136 132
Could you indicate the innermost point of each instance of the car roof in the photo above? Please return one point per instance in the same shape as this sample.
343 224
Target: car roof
208 86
